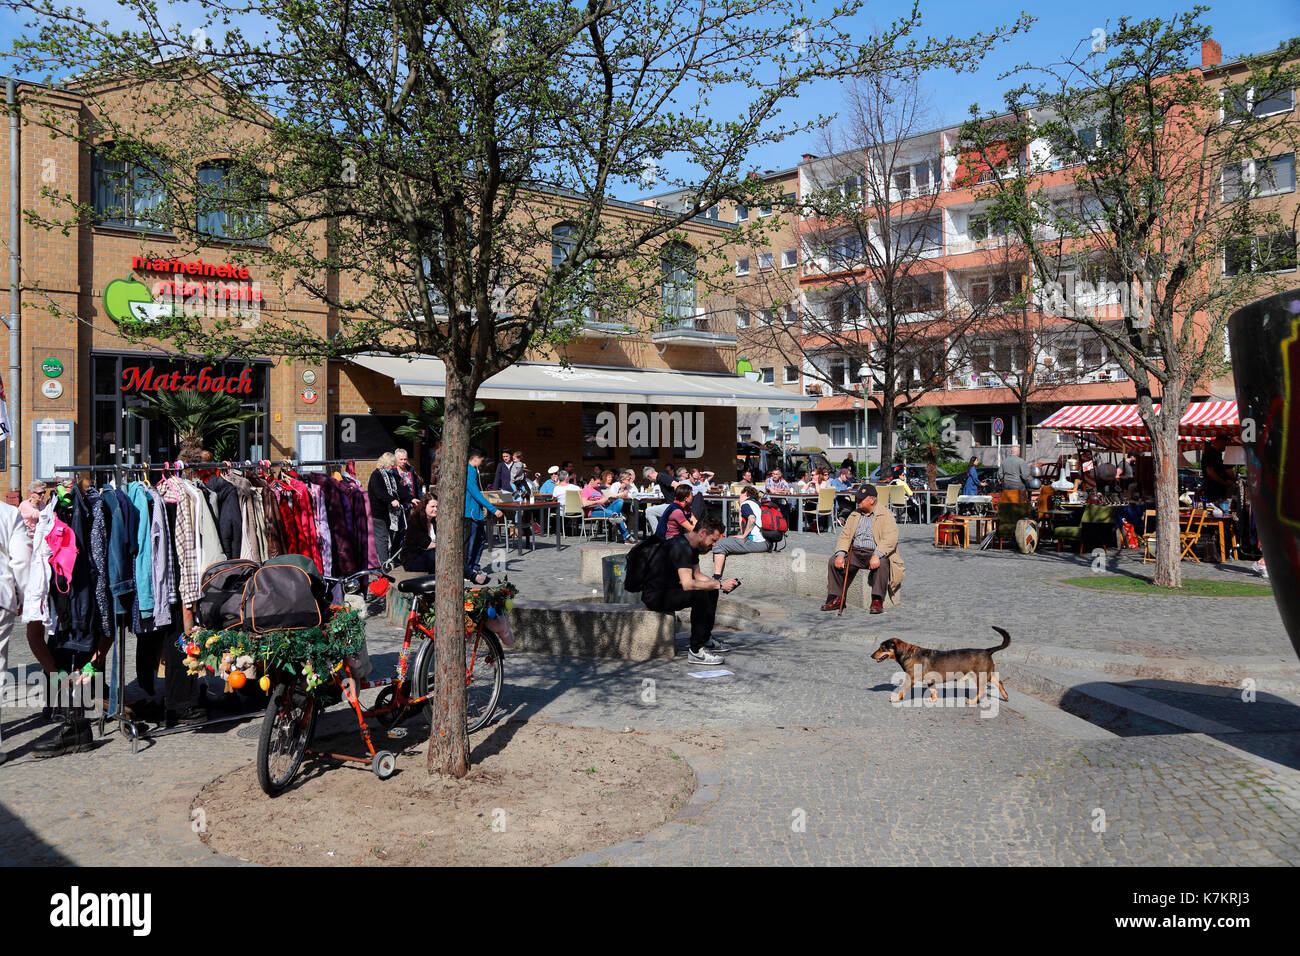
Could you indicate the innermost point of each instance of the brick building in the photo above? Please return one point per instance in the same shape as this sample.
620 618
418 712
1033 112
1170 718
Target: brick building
77 378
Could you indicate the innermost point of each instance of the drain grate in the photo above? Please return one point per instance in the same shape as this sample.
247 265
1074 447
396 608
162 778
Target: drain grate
249 731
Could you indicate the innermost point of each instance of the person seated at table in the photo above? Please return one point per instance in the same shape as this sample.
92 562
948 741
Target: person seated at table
548 486
750 540
1220 482
677 517
747 476
665 482
843 481
419 548
973 485
869 540
600 505
775 483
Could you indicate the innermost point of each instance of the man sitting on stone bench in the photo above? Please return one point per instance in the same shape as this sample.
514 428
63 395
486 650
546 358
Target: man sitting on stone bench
674 582
869 540
750 540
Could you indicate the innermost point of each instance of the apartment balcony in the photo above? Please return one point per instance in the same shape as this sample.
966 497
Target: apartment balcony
713 325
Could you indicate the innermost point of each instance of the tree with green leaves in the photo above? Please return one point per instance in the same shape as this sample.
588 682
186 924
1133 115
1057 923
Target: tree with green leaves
1157 202
928 437
425 426
438 175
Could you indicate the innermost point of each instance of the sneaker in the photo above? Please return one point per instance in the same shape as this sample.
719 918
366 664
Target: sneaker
714 644
703 656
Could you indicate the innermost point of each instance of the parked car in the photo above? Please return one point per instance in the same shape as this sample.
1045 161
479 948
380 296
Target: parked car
916 477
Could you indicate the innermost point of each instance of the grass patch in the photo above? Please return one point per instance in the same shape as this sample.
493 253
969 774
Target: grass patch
1128 584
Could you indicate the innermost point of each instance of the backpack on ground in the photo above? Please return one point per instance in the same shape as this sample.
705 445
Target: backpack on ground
221 593
284 596
772 522
640 560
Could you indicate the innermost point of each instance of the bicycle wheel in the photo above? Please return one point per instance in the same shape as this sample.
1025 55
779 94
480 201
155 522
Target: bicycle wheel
484 676
286 732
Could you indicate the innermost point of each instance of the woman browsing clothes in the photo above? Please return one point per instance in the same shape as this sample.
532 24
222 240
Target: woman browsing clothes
385 505
419 550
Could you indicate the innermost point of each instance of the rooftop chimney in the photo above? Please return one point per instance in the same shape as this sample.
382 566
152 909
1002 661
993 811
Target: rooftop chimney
1211 54
808 157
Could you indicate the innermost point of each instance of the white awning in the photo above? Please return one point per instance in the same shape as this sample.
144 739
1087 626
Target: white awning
424 376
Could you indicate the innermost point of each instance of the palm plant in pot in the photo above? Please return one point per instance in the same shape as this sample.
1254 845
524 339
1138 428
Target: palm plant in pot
202 420
928 438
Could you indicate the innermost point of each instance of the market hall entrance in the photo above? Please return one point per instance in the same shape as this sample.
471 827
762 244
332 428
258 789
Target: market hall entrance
121 382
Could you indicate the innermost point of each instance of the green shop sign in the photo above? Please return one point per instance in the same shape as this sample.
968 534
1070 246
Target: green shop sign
52 368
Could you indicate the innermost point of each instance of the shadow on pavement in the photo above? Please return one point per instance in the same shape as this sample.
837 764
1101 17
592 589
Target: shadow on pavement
20 846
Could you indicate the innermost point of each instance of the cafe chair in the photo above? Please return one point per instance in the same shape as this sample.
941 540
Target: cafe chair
951 496
572 509
898 502
825 508
1148 535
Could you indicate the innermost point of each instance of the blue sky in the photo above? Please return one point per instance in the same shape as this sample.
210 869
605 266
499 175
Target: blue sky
1060 27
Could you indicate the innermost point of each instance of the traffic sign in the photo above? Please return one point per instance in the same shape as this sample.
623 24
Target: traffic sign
997 426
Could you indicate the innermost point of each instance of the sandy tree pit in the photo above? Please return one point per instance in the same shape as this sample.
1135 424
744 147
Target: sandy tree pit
536 793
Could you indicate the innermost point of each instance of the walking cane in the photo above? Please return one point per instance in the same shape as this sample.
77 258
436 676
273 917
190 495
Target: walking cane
845 589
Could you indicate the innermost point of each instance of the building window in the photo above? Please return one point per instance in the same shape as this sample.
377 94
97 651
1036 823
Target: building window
839 435
764 210
1275 252
789 258
789 315
791 374
851 188
742 213
765 316
742 318
712 212
1240 101
913 295
769 375
987 290
126 194
231 203
742 266
678 264
764 261
918 179
847 250
790 199
1260 177
918 236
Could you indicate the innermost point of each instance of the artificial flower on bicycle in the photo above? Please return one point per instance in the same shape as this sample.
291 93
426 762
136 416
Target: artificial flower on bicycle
313 650
486 606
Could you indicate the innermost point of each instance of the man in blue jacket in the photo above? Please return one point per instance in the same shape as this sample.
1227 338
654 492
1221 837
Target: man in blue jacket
476 509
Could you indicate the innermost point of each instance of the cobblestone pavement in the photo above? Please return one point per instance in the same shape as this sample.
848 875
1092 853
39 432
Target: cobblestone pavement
800 756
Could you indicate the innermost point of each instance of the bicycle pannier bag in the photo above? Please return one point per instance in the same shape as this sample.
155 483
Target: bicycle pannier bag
221 593
281 597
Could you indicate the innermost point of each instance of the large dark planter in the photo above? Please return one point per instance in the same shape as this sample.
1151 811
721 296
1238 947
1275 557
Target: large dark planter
1265 341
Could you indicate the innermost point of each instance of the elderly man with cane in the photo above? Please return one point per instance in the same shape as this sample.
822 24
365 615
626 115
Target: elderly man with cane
869 540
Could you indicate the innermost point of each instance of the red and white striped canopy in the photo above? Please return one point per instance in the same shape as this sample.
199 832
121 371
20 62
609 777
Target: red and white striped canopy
1121 423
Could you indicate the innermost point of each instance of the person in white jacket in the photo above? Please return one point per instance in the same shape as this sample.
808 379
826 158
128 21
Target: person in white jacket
15 556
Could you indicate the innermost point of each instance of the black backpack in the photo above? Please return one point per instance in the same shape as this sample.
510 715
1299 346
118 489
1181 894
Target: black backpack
221 593
284 594
640 560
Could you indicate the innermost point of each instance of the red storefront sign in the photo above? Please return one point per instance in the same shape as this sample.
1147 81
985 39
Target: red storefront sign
134 378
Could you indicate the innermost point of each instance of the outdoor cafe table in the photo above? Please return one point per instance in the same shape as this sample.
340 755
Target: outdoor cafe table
520 510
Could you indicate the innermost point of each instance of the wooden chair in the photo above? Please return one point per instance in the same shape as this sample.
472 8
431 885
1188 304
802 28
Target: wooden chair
949 533
1148 536
1188 537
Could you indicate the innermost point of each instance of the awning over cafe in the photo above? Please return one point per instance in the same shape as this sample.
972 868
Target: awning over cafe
1120 427
425 376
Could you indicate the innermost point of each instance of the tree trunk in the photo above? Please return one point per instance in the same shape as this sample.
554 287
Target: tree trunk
448 740
1164 446
931 473
1024 431
886 429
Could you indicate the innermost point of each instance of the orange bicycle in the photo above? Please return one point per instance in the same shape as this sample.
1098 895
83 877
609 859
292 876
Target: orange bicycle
290 719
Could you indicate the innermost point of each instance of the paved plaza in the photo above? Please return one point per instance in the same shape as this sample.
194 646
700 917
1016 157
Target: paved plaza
1159 730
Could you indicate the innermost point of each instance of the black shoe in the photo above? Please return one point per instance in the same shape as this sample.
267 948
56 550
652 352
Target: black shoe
188 717
71 737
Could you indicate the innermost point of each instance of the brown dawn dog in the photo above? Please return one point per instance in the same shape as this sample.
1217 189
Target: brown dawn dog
922 664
